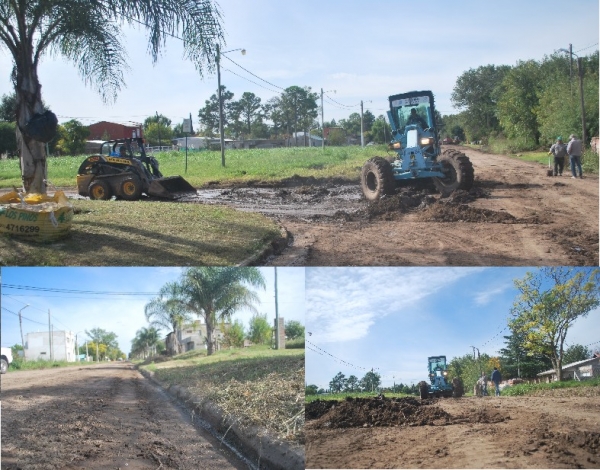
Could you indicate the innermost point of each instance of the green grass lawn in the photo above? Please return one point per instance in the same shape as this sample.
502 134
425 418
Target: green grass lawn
259 165
255 385
534 389
143 233
19 364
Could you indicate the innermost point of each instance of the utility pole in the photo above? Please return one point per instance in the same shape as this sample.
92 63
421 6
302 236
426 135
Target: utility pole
87 354
158 127
277 342
362 130
221 130
49 336
322 122
580 73
21 327
52 343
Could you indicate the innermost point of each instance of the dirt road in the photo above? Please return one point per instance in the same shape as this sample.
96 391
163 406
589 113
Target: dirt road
557 431
102 417
515 215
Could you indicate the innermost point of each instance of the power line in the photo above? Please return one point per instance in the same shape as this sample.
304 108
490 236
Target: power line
24 318
588 47
254 75
74 291
323 352
248 80
340 104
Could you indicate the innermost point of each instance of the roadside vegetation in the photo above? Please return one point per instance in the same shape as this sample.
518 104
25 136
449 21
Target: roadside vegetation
255 386
541 388
343 395
18 364
143 233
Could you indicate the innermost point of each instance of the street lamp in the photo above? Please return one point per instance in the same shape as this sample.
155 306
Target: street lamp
221 130
21 327
580 73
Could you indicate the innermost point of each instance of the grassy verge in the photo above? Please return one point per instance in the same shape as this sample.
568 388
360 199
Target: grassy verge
343 396
142 233
535 389
256 386
40 364
265 165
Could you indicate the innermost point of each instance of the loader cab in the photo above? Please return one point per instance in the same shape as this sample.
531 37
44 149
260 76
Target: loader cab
412 118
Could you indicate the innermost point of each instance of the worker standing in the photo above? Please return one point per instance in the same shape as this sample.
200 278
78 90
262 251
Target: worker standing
496 378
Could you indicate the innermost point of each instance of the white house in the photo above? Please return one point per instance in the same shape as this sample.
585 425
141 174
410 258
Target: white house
581 370
62 347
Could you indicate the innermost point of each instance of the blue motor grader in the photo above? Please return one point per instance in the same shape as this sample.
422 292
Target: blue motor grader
419 157
439 385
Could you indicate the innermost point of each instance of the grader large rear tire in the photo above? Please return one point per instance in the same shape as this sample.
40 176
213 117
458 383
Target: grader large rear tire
377 179
459 172
458 389
423 390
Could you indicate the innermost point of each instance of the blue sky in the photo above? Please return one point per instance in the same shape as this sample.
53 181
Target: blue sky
363 50
123 315
392 319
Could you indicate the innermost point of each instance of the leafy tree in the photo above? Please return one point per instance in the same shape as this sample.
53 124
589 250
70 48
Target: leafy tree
234 334
576 353
550 301
336 137
145 342
260 330
8 107
209 114
469 368
352 384
477 92
519 100
157 119
296 108
72 137
517 361
249 110
8 140
157 133
370 382
352 124
338 383
89 34
381 132
216 293
294 329
311 390
166 312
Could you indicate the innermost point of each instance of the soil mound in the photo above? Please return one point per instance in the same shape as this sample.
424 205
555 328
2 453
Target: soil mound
452 212
380 411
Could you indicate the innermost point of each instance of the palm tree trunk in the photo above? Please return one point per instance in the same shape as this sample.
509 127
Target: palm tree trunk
209 336
29 101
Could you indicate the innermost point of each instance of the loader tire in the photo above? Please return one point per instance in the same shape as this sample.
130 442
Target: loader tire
131 188
458 389
459 172
423 390
377 179
99 190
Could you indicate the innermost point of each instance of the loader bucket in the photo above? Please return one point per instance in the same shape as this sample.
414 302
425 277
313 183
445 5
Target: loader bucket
172 187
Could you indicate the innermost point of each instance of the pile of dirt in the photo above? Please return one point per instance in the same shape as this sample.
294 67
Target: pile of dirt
582 247
455 212
380 411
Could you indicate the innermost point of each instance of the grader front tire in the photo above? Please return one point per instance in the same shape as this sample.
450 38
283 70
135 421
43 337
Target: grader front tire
377 179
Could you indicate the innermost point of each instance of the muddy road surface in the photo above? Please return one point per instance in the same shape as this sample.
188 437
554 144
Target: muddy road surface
102 417
515 215
555 431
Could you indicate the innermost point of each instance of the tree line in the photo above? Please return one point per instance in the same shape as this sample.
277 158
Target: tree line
530 103
212 294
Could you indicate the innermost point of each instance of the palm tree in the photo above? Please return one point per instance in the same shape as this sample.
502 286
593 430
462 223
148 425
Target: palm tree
145 341
88 33
167 313
215 293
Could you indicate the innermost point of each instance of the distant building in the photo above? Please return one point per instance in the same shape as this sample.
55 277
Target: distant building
304 139
62 348
105 130
581 370
193 336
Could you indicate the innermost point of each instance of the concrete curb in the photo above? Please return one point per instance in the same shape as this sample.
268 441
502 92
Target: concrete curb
272 248
263 450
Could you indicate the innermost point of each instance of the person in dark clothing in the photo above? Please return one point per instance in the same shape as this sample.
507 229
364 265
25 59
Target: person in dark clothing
496 378
559 150
414 118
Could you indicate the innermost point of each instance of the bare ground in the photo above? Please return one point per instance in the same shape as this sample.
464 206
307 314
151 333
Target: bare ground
102 417
556 431
515 215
